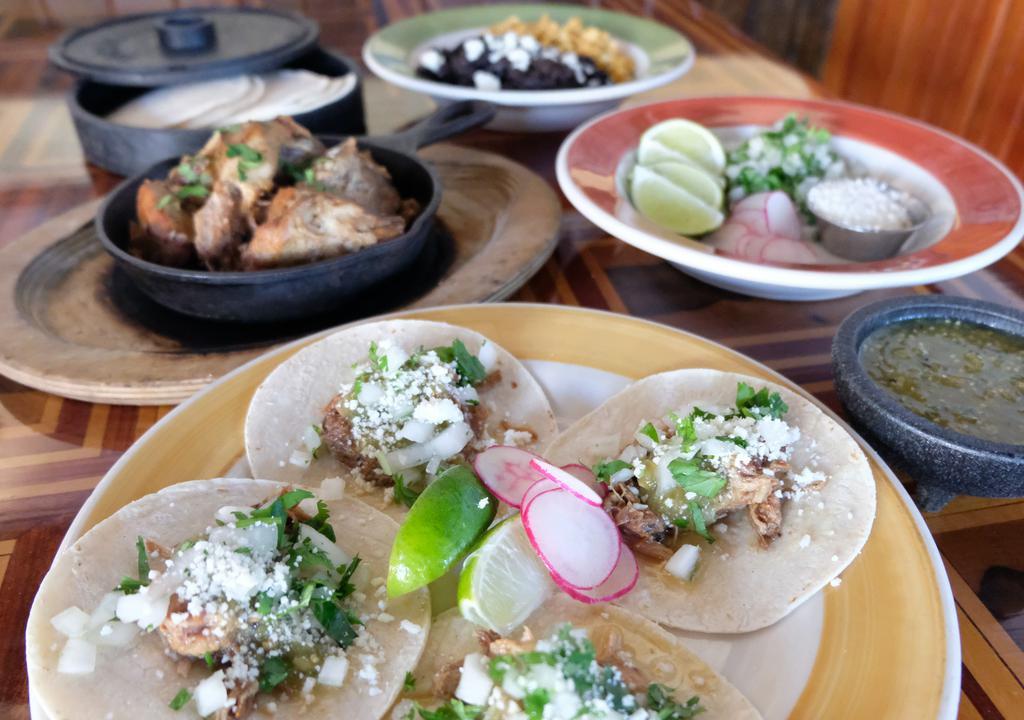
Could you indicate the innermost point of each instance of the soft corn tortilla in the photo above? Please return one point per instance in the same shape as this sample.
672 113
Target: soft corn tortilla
139 680
296 393
740 586
660 656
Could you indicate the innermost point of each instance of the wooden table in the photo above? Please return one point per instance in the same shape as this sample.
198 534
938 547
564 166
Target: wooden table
53 451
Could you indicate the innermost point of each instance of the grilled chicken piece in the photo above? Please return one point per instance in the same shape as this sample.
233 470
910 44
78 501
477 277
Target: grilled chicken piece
220 228
446 680
346 172
754 487
766 517
195 635
304 225
337 437
643 529
245 702
165 230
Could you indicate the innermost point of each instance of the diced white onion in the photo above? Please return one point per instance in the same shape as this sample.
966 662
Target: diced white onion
310 438
211 695
475 682
621 476
143 608
106 610
322 543
467 393
630 453
77 658
451 440
370 394
113 634
333 671
385 462
71 622
396 356
261 537
332 488
300 457
488 356
407 457
432 465
684 562
416 431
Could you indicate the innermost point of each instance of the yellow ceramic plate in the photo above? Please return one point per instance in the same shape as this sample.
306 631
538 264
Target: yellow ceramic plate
883 644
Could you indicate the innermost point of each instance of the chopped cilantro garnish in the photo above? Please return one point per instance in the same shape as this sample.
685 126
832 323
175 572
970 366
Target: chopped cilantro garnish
700 525
661 701
208 658
293 497
319 521
140 546
403 494
130 586
244 550
345 587
265 604
165 201
760 403
187 172
187 191
650 431
534 702
248 158
604 470
336 622
693 478
734 440
451 710
180 700
378 361
409 684
685 429
273 672
471 371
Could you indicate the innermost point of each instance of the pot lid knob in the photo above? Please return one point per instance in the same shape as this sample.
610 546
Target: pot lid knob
186 33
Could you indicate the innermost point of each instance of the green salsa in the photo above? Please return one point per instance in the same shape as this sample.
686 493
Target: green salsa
965 377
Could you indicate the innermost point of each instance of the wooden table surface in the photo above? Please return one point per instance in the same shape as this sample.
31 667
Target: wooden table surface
53 451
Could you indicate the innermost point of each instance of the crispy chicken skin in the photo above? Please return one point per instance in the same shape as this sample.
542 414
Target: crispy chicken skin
164 234
304 225
347 173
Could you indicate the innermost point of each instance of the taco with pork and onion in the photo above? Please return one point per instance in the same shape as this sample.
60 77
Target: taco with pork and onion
225 599
740 498
387 406
568 661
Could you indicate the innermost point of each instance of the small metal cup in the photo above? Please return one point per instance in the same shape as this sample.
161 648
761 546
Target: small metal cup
866 244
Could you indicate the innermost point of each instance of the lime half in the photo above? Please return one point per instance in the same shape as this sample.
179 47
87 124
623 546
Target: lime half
684 141
503 580
693 180
669 205
439 530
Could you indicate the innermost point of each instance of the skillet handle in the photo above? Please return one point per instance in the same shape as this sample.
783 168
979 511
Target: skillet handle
447 121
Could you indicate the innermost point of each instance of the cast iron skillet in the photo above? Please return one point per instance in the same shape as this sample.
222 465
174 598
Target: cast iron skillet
313 288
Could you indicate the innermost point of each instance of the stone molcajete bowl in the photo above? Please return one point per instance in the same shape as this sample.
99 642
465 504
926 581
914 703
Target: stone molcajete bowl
944 463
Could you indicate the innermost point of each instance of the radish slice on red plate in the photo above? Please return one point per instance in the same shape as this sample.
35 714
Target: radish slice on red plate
578 542
582 472
506 472
621 581
567 481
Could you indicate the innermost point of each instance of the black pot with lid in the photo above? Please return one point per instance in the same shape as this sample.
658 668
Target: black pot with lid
119 59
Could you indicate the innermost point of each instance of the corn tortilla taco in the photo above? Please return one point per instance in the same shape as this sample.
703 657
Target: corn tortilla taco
386 406
740 497
225 599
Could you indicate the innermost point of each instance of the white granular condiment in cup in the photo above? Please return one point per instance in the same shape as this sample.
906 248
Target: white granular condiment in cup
861 204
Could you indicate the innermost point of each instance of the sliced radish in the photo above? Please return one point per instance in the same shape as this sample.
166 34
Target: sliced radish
621 581
568 481
506 472
578 542
582 472
541 486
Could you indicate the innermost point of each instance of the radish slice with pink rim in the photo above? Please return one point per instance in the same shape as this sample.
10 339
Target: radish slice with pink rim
567 481
582 472
623 579
541 486
506 472
577 542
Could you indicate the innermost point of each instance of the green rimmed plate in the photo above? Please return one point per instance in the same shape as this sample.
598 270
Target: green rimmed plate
661 55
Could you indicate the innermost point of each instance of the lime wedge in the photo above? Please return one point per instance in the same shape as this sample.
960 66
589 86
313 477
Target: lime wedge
667 204
682 141
693 180
503 580
439 530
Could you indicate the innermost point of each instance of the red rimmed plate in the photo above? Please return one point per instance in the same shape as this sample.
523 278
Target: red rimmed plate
976 202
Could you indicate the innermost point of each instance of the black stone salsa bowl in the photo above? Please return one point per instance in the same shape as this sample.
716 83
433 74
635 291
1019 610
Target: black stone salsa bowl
943 462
